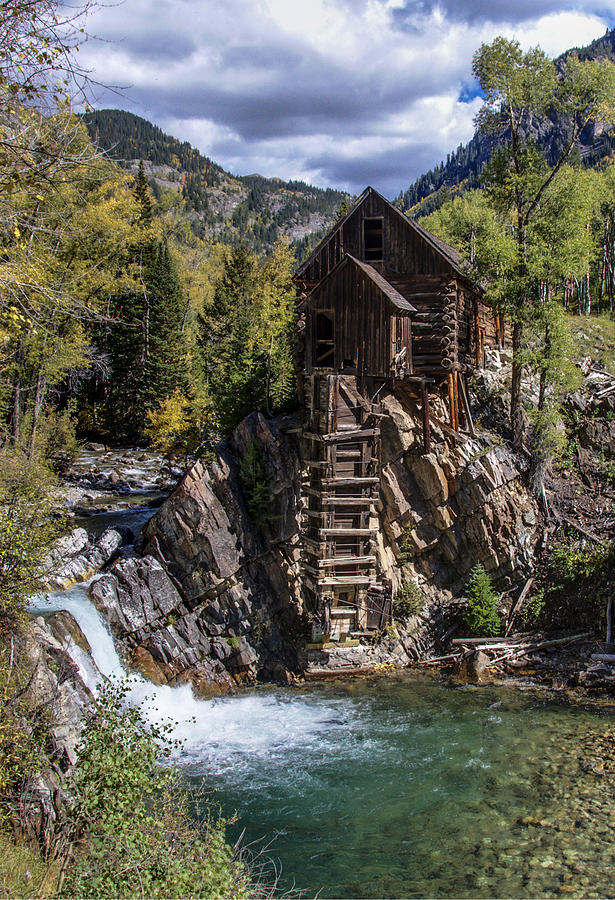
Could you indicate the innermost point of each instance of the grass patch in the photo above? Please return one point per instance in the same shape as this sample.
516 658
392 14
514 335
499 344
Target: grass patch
23 871
594 336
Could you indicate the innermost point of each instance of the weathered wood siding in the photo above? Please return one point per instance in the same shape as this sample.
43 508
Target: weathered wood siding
404 249
367 331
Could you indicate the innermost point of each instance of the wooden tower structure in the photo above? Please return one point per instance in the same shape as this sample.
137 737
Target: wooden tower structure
381 302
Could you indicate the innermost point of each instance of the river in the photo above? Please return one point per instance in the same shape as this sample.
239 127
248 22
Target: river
401 785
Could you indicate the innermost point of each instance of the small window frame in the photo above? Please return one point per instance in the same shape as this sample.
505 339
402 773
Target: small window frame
373 250
329 344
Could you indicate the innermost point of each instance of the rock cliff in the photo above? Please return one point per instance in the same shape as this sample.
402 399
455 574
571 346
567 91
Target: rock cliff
216 599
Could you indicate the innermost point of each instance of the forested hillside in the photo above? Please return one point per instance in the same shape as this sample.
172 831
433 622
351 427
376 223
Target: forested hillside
250 209
463 166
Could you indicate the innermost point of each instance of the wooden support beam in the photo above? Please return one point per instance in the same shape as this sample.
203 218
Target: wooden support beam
347 482
347 501
347 532
347 561
342 580
316 546
426 423
466 405
359 434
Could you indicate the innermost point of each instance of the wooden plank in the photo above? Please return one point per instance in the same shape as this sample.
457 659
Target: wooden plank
347 532
342 580
426 423
347 561
518 604
348 501
348 482
339 436
471 642
316 547
466 405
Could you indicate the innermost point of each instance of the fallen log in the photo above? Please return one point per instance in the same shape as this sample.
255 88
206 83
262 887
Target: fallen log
438 659
584 531
486 640
516 608
532 648
604 657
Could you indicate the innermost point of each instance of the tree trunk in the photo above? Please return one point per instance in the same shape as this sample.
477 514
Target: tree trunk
39 398
516 408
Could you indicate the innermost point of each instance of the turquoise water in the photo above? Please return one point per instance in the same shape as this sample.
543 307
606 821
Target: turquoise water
409 787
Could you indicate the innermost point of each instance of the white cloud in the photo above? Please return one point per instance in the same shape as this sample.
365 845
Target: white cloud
340 91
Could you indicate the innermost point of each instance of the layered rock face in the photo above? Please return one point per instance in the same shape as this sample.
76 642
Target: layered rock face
445 511
216 600
57 698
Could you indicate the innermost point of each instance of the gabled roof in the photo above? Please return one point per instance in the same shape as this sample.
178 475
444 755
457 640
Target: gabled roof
443 249
385 287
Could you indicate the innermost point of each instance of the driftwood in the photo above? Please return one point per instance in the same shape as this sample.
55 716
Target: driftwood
437 659
531 648
588 534
517 606
486 640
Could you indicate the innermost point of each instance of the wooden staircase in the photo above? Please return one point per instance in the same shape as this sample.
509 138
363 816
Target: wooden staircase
339 523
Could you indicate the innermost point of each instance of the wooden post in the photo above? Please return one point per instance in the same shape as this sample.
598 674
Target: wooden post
451 401
426 425
466 405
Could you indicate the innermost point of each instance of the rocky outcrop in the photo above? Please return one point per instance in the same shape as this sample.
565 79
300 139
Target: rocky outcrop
443 512
75 557
54 699
216 598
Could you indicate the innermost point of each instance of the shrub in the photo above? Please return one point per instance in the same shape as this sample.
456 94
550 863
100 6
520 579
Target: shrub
23 724
533 607
27 528
256 484
409 601
578 582
56 441
131 823
170 428
482 617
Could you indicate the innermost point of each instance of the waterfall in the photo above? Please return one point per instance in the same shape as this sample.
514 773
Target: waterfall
215 734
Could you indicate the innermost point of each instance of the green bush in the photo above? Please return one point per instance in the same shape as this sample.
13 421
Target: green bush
578 582
409 601
131 825
56 441
533 607
256 484
482 617
23 724
27 528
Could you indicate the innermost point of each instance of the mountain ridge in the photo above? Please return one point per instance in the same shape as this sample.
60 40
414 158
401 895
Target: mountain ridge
249 209
462 168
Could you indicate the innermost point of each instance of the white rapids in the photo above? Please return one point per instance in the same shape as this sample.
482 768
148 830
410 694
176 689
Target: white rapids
216 735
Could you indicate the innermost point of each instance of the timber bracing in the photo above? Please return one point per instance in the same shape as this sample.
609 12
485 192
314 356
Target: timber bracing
339 523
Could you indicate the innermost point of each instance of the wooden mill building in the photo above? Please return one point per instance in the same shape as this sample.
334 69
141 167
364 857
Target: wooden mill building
382 302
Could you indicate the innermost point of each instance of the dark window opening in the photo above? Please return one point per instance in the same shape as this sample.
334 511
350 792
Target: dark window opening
324 356
373 240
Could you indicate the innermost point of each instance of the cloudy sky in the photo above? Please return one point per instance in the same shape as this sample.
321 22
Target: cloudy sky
340 93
